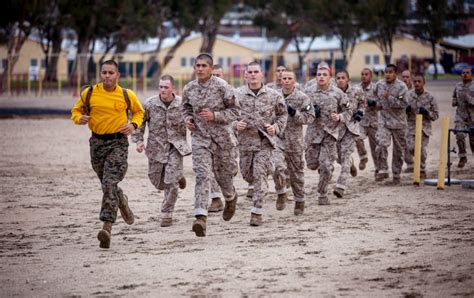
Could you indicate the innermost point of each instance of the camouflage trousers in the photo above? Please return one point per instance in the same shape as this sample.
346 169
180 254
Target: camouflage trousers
384 137
345 148
289 167
109 161
322 156
410 152
255 167
215 191
165 176
223 162
461 139
370 133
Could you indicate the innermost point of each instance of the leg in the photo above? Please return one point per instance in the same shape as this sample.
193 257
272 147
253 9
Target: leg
202 166
345 149
225 168
410 152
381 152
295 164
326 159
424 145
262 167
371 133
279 176
398 150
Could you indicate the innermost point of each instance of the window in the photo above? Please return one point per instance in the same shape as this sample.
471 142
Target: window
220 61
4 63
376 59
183 62
229 61
191 61
34 62
367 59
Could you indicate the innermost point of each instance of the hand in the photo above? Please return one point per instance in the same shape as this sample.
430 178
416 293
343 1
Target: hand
408 109
270 129
358 116
424 112
317 111
335 117
206 115
386 94
241 125
84 119
190 124
140 147
127 129
371 103
291 111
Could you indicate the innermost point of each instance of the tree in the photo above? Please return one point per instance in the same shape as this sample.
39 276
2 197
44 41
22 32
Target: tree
212 12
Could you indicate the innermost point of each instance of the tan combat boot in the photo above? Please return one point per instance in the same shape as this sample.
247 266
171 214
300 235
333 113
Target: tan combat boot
462 162
125 210
362 164
353 169
216 205
250 193
229 209
255 219
323 201
299 208
182 183
281 201
105 235
166 222
338 192
381 176
199 225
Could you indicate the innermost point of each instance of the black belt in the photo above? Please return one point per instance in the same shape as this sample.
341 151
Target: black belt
109 136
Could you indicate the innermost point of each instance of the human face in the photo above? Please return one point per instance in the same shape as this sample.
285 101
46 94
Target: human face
279 72
390 74
166 90
365 77
109 75
466 75
288 80
418 84
202 70
218 73
406 77
254 76
342 81
323 77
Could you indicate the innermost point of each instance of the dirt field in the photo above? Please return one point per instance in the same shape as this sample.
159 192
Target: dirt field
378 241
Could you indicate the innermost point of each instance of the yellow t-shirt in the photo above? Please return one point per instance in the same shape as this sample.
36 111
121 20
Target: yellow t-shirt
108 109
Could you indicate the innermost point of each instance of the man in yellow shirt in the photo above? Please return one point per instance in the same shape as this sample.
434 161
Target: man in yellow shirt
105 108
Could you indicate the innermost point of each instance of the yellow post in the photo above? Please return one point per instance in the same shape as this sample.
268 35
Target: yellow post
40 82
78 70
134 76
59 87
417 161
28 82
443 152
144 76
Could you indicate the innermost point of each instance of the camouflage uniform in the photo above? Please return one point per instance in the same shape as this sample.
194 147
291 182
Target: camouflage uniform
313 82
291 146
416 101
392 124
278 87
213 143
368 125
321 136
255 144
348 132
166 146
464 114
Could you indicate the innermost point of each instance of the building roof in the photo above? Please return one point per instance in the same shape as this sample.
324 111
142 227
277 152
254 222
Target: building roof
464 41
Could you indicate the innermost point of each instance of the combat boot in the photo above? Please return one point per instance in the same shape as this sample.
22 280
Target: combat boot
166 222
216 205
396 181
323 201
250 193
363 163
125 210
408 170
199 225
229 209
255 219
338 192
422 174
299 208
462 162
105 235
381 176
353 170
182 183
281 201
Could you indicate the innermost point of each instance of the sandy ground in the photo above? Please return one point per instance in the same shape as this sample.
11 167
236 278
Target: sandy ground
380 240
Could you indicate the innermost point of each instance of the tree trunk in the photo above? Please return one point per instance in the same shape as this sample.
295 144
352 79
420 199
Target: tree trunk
170 54
15 43
435 64
52 70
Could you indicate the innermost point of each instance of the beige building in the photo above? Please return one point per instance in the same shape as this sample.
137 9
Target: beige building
32 61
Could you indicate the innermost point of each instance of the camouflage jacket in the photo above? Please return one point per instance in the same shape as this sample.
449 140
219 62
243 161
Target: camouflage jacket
165 129
463 100
371 114
427 101
218 97
292 137
357 99
392 110
267 107
332 100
